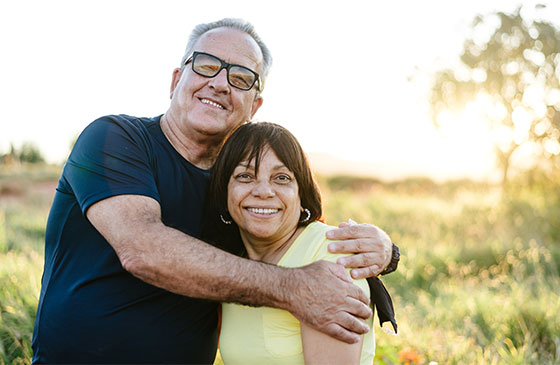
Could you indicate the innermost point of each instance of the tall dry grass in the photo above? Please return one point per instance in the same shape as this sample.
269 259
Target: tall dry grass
479 278
478 281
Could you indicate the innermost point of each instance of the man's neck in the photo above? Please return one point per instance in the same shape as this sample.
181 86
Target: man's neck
201 152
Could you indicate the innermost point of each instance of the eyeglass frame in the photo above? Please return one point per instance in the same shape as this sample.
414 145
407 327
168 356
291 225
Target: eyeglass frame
227 66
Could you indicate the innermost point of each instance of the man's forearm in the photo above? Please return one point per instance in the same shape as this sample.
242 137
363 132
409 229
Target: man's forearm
319 294
313 294
172 260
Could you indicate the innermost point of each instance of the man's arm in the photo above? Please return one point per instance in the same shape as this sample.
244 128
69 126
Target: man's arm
319 294
371 244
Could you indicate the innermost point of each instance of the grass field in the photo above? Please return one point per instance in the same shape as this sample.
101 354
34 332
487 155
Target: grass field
478 281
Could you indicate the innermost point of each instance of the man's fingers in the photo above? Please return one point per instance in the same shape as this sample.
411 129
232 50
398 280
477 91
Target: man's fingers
364 265
340 273
347 328
371 243
340 333
360 296
358 245
353 231
326 299
357 308
366 272
362 260
352 323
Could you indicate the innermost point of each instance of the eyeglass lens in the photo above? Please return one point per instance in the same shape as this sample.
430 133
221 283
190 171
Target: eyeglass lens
210 66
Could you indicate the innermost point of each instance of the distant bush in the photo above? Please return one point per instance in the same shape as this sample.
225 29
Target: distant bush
352 183
409 185
28 152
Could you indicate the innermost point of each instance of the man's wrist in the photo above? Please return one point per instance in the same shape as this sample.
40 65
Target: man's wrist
393 264
287 277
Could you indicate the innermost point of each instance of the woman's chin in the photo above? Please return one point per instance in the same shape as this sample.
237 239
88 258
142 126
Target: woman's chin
262 235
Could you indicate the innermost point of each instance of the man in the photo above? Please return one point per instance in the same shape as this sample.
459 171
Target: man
123 265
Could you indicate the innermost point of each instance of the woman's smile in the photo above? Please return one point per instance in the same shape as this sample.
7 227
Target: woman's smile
263 211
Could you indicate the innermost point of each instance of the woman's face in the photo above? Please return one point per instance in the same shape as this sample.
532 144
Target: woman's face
264 206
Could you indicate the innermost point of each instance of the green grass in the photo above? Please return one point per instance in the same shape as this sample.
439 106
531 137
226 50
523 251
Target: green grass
478 281
24 205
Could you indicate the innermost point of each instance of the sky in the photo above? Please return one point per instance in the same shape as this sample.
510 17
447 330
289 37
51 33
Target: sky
349 78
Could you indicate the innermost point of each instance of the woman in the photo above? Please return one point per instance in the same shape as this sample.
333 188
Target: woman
264 204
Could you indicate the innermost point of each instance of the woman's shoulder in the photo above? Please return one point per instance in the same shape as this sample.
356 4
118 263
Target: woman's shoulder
315 232
316 243
314 246
310 246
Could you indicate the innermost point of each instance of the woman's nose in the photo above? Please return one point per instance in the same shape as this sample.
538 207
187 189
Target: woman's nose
263 189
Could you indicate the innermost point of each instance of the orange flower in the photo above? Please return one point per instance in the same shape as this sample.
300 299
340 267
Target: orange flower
409 356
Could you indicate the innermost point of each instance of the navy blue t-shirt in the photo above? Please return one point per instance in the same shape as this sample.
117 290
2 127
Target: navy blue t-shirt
91 310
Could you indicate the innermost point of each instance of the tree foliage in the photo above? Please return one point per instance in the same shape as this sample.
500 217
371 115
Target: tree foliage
511 65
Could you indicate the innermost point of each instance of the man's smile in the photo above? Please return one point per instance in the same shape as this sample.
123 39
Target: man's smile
213 103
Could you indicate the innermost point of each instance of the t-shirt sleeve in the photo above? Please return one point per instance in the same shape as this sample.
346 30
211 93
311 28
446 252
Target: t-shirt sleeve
323 254
111 157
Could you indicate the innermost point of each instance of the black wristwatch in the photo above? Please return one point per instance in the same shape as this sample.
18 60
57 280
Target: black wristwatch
395 257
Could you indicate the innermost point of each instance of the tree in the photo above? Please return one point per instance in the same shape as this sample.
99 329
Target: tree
511 66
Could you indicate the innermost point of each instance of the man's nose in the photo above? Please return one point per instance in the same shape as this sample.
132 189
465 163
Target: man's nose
220 82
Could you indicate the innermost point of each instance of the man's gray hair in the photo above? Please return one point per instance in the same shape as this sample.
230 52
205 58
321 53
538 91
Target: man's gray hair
239 24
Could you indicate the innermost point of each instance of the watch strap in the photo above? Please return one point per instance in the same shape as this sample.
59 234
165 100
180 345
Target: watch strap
394 263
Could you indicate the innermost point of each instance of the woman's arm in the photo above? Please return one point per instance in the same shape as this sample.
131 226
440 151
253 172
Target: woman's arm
319 348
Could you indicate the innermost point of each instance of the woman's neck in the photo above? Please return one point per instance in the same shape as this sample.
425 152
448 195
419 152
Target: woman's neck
269 251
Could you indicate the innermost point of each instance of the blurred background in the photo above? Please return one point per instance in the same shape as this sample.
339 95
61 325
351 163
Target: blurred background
438 121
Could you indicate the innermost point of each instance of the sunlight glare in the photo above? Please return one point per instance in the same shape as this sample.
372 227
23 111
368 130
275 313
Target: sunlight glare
503 136
521 124
542 127
467 131
552 146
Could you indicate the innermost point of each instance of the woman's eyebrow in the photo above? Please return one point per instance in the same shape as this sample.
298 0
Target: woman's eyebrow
246 165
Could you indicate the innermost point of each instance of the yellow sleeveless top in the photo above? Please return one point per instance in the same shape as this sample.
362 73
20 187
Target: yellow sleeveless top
272 336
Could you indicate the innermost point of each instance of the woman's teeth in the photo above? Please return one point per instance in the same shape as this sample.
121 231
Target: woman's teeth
262 210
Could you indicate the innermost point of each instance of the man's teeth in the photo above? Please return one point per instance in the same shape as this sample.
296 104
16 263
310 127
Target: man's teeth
210 102
262 210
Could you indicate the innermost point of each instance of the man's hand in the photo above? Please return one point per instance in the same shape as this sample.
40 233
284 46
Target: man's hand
325 298
372 246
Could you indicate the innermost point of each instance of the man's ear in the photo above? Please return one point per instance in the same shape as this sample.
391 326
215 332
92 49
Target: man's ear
256 105
175 78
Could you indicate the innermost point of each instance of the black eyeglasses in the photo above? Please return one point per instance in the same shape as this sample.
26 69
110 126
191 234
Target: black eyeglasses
238 76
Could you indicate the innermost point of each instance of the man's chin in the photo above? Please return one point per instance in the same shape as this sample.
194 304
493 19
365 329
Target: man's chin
214 134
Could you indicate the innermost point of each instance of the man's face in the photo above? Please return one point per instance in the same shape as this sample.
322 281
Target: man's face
211 106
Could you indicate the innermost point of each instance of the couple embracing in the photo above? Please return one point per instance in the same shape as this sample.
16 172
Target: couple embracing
156 221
